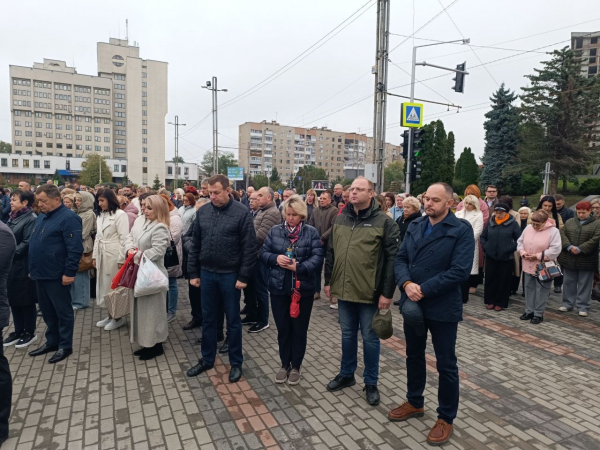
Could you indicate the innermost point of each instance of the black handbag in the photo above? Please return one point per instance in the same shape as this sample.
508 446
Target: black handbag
171 257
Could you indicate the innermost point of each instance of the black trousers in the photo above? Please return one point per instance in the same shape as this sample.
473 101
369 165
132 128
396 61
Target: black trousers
55 302
250 300
464 287
292 333
195 302
5 390
498 278
24 318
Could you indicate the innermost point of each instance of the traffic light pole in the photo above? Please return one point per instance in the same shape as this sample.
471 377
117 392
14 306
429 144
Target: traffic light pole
412 98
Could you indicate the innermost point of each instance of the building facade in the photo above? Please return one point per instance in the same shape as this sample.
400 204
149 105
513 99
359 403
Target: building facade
266 145
119 114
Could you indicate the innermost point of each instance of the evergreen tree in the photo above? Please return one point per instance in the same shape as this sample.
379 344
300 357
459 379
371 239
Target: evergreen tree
501 136
308 174
275 178
447 168
436 156
467 170
157 183
561 109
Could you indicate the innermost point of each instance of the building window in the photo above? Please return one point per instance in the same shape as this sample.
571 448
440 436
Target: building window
592 70
46 164
594 40
144 75
144 170
144 159
107 149
144 149
4 162
123 169
170 170
38 144
15 163
49 145
116 167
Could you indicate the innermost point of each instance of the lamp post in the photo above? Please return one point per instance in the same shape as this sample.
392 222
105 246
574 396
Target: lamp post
176 159
213 87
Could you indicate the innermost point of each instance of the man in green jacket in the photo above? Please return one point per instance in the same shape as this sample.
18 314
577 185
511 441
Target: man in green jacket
359 271
579 258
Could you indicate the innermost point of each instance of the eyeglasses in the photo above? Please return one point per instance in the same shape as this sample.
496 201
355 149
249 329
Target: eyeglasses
352 189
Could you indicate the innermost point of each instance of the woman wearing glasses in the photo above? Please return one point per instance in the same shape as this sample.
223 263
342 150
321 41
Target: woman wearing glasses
541 236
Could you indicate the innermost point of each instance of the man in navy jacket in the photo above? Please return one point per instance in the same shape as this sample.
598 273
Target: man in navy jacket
435 257
55 248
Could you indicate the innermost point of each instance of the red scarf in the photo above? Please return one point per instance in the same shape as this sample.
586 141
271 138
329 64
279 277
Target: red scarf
293 233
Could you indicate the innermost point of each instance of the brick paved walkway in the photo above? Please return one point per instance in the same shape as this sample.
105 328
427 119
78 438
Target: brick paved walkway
522 386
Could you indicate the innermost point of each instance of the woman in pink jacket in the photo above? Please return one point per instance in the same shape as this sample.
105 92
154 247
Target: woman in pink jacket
541 236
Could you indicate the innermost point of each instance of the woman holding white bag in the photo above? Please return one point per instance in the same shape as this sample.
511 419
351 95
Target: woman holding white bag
151 237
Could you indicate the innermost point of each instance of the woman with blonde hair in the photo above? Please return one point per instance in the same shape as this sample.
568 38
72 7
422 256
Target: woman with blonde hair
150 237
176 231
472 214
294 253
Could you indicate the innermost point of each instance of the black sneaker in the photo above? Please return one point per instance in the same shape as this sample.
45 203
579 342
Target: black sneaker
26 340
257 328
557 289
526 316
12 339
537 320
372 394
248 321
339 383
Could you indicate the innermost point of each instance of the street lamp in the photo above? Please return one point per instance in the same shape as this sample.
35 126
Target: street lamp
213 87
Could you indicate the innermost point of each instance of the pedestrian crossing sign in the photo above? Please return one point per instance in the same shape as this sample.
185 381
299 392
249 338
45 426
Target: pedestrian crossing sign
412 115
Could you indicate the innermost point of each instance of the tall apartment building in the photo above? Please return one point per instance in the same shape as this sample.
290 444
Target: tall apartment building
119 114
589 45
265 145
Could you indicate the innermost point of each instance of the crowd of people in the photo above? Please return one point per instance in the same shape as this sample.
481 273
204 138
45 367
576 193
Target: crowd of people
61 248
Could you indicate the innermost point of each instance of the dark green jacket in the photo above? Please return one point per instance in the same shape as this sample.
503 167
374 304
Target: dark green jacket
584 236
359 265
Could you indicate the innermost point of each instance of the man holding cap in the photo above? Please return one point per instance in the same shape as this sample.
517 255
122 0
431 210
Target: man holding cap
435 257
499 242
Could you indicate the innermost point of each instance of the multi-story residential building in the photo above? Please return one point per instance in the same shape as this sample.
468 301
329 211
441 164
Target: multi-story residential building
265 145
589 45
118 114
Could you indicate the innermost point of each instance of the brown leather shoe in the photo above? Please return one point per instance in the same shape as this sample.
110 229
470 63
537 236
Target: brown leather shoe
405 411
440 433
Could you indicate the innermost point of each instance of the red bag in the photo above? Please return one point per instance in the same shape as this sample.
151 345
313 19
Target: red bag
130 274
295 305
117 279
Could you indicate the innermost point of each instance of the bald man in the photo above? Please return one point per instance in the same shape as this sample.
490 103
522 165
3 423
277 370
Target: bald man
24 186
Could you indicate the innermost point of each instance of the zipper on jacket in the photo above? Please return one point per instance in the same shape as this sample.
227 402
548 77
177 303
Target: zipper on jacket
347 248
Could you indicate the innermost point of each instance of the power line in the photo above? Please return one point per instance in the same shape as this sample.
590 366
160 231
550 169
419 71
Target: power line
194 127
431 89
471 45
359 12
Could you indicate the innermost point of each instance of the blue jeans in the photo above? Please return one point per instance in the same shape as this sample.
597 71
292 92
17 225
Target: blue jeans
352 315
443 336
261 291
213 286
172 295
80 291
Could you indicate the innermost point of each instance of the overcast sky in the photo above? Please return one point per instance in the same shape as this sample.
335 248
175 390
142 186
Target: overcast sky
245 42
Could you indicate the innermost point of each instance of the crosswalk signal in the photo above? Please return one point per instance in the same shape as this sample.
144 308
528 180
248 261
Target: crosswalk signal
459 79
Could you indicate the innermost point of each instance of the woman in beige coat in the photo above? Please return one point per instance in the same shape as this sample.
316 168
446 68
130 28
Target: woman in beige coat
112 230
149 327
84 207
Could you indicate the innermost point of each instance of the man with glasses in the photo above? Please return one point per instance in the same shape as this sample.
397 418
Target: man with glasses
596 207
491 196
359 272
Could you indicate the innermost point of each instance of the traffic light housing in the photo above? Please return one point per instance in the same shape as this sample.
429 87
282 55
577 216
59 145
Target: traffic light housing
417 145
405 144
459 79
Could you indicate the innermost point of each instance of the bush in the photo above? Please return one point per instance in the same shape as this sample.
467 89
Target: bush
590 186
530 184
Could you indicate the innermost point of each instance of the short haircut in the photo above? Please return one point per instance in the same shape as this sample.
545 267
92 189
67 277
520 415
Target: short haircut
129 186
369 182
50 190
491 186
163 191
473 189
413 203
288 190
558 197
66 191
447 188
338 184
296 203
111 198
540 216
526 209
204 183
219 178
507 199
202 201
144 196
472 200
328 192
159 205
179 191
595 200
270 191
346 188
587 206
24 195
190 198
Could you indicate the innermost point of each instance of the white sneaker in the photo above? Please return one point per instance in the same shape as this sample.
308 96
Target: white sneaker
563 309
103 322
583 314
333 305
114 324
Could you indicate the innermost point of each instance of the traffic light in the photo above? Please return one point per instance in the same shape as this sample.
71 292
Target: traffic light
405 144
459 79
417 143
415 170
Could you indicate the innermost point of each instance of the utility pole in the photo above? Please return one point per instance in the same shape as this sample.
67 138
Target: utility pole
380 98
213 87
176 159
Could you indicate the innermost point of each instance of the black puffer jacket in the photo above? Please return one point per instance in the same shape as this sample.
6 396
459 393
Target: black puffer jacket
7 251
223 240
499 242
309 257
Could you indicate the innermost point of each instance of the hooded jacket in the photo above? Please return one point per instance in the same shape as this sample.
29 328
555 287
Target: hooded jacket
360 255
88 220
132 213
499 242
535 242
585 237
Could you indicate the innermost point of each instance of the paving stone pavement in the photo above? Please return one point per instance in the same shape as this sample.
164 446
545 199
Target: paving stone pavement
522 387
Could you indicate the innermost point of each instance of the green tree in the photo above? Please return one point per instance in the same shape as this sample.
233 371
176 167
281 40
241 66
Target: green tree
436 156
561 107
308 174
157 183
5 147
467 170
226 159
178 158
260 181
90 175
275 178
58 177
501 136
447 168
392 172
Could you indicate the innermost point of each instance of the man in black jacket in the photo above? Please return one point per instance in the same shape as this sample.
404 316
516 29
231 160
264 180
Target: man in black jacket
221 261
7 252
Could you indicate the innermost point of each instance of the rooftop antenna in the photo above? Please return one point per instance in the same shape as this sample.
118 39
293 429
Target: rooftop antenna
127 30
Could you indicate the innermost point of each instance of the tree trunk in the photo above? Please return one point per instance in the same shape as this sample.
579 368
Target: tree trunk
564 186
553 188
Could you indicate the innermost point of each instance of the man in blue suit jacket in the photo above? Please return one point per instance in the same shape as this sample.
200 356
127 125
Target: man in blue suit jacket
435 257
